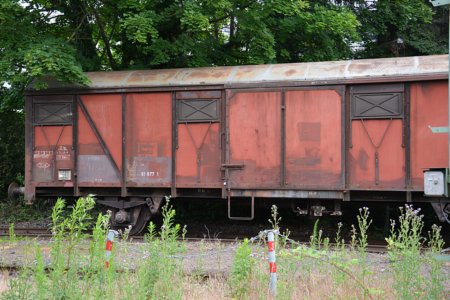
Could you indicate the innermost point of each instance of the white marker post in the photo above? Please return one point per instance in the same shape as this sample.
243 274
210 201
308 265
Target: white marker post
272 264
109 245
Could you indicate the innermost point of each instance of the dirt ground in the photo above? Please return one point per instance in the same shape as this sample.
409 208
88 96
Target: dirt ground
207 258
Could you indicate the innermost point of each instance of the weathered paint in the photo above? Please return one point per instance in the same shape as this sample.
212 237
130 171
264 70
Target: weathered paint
391 165
313 73
94 166
52 151
365 70
254 121
199 95
198 141
255 127
149 139
314 139
428 108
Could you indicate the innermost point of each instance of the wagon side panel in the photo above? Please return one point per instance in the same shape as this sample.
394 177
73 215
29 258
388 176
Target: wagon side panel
198 155
385 170
314 139
254 137
428 108
198 143
49 135
52 152
99 140
377 137
149 139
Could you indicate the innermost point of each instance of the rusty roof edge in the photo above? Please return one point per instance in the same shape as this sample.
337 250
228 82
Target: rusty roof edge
332 70
241 85
328 82
308 73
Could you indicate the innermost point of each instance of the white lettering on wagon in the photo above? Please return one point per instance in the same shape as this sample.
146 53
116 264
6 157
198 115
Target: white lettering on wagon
149 174
42 154
43 165
62 153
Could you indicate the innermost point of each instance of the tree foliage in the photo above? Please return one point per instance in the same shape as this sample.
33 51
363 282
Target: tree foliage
400 27
63 38
11 148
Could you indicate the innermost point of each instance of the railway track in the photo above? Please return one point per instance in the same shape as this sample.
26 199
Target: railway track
26 232
46 234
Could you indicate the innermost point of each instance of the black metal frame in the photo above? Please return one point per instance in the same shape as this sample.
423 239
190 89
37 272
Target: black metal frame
185 102
407 139
124 146
283 139
40 105
76 190
174 145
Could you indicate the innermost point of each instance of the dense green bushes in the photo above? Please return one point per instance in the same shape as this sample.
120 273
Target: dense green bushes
12 149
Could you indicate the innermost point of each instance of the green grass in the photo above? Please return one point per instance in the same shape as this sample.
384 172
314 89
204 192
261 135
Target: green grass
16 210
320 271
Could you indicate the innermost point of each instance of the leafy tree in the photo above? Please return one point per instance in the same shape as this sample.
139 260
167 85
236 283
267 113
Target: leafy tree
11 148
400 27
63 38
30 47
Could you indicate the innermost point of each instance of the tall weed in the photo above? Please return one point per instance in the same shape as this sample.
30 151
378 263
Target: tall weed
437 276
241 270
159 276
404 244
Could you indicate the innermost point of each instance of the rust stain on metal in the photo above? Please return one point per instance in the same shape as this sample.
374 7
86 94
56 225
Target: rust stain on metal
408 67
105 111
198 154
255 126
199 95
314 138
290 72
390 165
309 131
148 169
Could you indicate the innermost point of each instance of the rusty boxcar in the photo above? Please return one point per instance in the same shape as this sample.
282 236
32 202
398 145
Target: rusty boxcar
318 133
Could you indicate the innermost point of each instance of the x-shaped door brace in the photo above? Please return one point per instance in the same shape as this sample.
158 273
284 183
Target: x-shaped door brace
53 113
200 110
374 105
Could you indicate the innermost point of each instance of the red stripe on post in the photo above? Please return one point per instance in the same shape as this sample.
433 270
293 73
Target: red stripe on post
273 267
109 245
271 246
107 264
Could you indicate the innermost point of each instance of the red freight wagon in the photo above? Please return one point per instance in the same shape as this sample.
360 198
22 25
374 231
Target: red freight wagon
317 133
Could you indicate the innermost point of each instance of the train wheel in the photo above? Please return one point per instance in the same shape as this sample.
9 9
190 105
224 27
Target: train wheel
136 218
143 215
